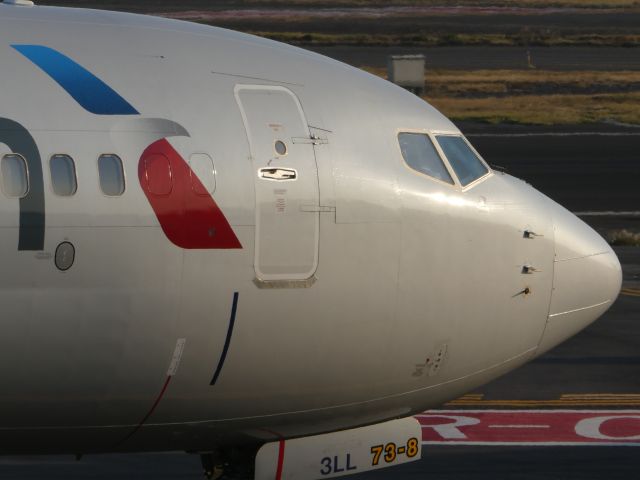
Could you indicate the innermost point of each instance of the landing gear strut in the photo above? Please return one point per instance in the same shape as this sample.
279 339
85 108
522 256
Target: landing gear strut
212 465
229 464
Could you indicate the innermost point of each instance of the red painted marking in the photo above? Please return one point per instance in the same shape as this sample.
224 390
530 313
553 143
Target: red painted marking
188 220
621 427
150 412
197 186
531 426
280 460
158 176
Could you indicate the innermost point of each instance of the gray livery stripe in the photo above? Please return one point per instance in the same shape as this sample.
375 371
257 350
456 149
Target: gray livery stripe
32 216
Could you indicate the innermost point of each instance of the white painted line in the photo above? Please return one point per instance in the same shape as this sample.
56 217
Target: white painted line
569 427
519 426
555 134
609 213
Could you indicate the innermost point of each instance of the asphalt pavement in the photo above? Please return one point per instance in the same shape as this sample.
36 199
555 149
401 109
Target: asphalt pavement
517 463
583 171
487 57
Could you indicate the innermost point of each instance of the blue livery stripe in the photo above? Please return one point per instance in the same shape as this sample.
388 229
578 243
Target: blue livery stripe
89 91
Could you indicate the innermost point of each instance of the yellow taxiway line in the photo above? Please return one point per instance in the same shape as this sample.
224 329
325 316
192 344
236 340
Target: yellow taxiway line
632 292
569 400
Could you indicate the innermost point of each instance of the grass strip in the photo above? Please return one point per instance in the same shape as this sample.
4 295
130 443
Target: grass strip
460 3
478 83
487 96
543 109
150 5
624 238
452 39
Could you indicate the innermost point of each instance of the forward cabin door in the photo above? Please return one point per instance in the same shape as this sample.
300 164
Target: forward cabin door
286 183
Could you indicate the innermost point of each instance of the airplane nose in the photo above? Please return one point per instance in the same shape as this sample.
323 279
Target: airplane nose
586 279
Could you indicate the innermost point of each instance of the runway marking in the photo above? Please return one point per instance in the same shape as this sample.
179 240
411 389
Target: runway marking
554 134
608 213
531 427
519 426
602 395
631 292
572 400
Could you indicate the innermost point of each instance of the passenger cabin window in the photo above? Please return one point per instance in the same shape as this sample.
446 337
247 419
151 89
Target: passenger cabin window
463 160
203 179
15 176
158 174
111 175
420 154
63 175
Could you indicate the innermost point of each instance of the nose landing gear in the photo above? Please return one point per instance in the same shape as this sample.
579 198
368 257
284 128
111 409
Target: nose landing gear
212 469
229 464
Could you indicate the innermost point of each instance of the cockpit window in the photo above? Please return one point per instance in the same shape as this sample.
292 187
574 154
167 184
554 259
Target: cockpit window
463 160
420 154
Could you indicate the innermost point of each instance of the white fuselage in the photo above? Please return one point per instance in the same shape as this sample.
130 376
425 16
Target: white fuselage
359 291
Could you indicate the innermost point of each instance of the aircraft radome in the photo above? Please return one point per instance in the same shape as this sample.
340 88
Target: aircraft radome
211 241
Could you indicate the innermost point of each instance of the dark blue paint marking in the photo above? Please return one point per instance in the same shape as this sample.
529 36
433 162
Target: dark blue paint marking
89 91
32 214
227 342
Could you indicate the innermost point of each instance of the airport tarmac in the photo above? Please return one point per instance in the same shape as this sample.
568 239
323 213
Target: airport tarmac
591 170
595 169
481 57
437 463
598 370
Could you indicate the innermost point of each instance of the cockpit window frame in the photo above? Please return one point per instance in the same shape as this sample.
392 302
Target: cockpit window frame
463 188
456 183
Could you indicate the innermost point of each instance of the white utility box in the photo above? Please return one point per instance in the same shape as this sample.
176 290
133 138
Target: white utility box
407 71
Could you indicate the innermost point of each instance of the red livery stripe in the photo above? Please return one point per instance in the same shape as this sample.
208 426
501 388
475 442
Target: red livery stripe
189 220
149 413
280 460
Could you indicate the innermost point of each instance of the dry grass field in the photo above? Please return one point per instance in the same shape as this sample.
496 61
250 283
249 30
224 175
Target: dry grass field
544 109
428 39
187 4
532 96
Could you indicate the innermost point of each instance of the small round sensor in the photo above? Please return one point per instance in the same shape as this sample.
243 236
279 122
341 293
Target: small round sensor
281 147
65 255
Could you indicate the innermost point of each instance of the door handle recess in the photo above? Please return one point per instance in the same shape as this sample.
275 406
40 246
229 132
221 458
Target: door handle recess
531 234
528 269
278 173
